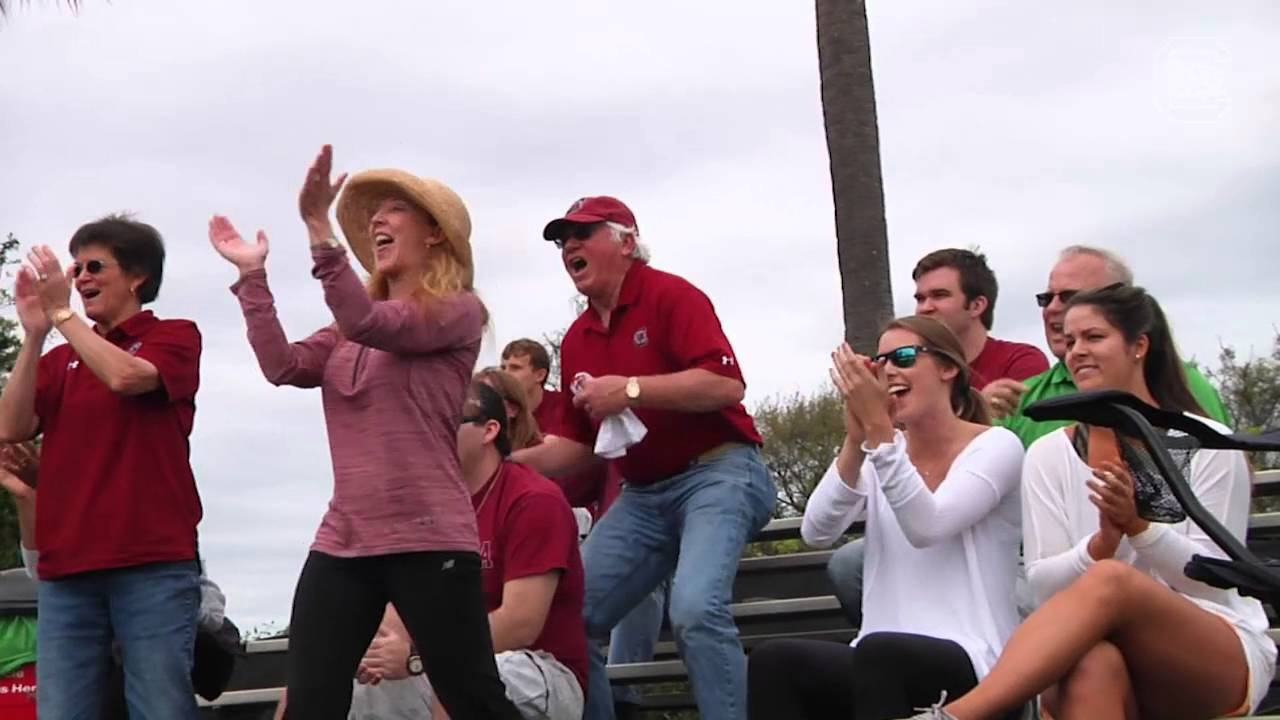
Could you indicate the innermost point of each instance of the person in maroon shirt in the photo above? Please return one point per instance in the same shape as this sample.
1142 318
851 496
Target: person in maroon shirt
393 369
697 488
957 287
528 362
533 583
116 521
635 636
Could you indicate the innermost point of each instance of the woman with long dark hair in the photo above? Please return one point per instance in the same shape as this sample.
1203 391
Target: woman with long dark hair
393 369
940 500
1122 632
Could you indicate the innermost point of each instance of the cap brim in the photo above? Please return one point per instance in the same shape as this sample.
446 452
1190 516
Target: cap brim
555 229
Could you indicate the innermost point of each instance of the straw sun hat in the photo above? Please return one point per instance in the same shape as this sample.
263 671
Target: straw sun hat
365 190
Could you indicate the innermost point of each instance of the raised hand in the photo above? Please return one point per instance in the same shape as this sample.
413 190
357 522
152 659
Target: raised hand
842 374
866 393
318 193
53 284
227 241
35 321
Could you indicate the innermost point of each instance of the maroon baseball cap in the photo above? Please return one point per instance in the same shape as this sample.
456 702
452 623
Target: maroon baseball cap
601 208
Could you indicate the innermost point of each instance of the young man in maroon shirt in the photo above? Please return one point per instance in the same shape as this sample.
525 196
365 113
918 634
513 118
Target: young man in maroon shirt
957 287
697 488
527 360
533 584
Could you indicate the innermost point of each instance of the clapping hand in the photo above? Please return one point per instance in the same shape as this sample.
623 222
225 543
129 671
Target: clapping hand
318 194
227 241
865 391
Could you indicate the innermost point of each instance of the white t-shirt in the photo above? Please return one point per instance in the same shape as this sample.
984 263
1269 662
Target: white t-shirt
1058 521
943 563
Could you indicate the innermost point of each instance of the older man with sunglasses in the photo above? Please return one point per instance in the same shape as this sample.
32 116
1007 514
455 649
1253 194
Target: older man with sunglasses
697 488
1079 268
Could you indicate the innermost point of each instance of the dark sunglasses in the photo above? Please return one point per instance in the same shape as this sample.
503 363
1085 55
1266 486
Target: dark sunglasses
93 266
576 232
903 357
1043 299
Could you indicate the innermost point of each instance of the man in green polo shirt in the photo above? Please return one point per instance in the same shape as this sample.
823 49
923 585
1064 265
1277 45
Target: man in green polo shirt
1078 268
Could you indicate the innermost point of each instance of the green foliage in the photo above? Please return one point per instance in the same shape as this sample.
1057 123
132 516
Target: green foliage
1251 392
10 343
802 434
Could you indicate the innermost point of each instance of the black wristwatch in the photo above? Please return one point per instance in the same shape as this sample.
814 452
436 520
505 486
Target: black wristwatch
414 663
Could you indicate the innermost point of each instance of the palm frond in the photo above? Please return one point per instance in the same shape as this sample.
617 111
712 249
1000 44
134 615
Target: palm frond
5 4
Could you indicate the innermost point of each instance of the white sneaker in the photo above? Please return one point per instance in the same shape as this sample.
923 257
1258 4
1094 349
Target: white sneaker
935 712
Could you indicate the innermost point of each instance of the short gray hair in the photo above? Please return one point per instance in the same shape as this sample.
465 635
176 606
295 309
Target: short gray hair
641 253
1116 268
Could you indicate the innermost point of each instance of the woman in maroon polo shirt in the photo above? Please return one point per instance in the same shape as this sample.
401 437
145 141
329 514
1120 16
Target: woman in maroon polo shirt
393 369
116 520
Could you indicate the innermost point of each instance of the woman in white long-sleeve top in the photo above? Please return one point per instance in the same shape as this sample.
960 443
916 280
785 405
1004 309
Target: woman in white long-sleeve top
940 500
1122 632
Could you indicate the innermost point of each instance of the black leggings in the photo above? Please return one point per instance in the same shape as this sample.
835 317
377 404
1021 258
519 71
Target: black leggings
887 675
339 604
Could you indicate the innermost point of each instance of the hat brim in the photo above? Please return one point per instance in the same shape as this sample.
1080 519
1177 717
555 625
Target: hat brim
362 194
556 228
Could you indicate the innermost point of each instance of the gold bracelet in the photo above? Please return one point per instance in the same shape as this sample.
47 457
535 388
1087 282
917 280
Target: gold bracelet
62 315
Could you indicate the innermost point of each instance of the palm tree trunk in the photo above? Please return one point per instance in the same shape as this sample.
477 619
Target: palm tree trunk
853 144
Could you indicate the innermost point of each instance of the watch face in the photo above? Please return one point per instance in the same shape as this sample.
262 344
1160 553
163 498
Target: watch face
415 665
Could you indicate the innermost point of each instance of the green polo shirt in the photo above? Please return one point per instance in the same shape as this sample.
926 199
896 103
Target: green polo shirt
1056 381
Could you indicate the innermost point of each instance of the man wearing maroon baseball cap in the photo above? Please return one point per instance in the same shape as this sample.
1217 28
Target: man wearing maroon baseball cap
697 488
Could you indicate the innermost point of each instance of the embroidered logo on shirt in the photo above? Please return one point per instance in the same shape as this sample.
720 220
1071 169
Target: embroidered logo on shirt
726 360
641 337
448 565
135 347
486 556
73 364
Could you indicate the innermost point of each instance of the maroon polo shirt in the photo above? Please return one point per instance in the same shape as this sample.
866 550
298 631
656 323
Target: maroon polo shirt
116 487
1004 359
662 325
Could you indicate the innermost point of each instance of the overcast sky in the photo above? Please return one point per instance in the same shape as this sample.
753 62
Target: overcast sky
1018 127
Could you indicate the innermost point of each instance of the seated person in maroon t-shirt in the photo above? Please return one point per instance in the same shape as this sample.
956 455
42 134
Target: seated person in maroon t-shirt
528 362
957 287
533 584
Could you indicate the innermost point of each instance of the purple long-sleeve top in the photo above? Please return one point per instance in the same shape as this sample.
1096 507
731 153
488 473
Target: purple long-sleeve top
393 379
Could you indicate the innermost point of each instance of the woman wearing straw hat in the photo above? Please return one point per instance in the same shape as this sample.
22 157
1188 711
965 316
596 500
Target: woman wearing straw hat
393 369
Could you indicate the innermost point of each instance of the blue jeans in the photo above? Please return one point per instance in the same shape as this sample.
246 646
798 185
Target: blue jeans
150 610
845 571
633 639
695 524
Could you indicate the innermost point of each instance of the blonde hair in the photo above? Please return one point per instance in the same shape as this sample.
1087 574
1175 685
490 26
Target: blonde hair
523 428
445 275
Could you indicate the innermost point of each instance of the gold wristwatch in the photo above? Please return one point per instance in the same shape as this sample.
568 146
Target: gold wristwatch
61 315
633 388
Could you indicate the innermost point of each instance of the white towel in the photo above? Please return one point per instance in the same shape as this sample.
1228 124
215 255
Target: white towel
617 432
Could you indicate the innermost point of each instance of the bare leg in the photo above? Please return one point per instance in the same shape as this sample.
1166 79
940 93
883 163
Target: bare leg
1152 627
1097 688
